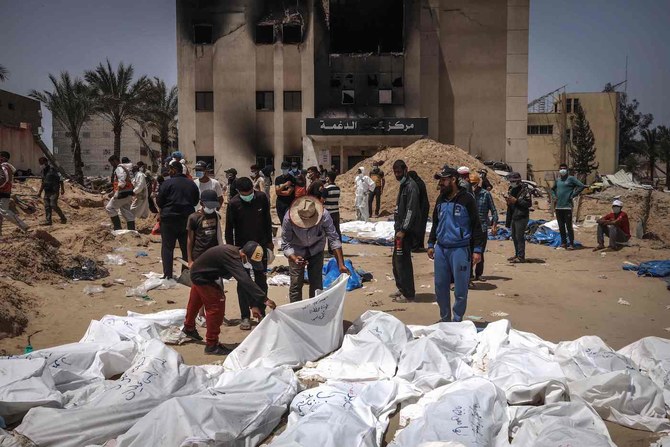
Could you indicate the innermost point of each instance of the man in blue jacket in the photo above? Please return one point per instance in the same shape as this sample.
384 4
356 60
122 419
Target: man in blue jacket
455 223
177 198
565 189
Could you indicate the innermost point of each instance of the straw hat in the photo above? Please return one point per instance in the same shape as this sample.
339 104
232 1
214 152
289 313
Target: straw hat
306 211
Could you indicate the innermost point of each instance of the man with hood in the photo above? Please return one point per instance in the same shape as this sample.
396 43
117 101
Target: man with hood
6 182
121 197
456 231
364 185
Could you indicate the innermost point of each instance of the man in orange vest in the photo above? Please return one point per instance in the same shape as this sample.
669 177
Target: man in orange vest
122 196
6 180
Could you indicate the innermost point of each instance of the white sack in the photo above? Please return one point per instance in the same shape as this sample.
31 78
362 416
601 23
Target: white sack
156 375
241 409
460 337
528 377
625 397
370 351
372 230
340 414
652 356
589 356
429 362
136 327
471 411
24 384
557 425
294 333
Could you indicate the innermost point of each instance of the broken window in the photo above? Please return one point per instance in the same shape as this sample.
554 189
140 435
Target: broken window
366 26
203 34
291 33
204 101
265 101
348 97
540 130
265 34
293 101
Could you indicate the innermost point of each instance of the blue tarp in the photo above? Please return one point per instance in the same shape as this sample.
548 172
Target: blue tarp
502 234
542 235
331 272
658 269
379 241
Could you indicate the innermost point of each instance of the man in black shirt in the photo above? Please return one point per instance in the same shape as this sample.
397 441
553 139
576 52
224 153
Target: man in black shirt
248 219
316 185
52 183
231 175
424 206
222 261
177 198
284 187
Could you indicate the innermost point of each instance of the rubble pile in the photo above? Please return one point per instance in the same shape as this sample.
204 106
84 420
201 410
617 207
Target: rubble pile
426 157
14 309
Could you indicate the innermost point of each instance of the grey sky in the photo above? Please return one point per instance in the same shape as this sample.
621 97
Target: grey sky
582 43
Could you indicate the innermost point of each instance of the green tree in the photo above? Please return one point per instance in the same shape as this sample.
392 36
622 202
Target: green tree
71 105
583 149
161 113
4 73
664 146
117 98
650 138
631 124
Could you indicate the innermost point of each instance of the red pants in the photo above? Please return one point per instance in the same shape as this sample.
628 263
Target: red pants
214 300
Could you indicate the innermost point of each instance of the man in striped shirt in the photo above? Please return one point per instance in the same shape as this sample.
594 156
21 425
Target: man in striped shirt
330 196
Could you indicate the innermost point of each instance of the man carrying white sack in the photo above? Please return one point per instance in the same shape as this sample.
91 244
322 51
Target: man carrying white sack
364 186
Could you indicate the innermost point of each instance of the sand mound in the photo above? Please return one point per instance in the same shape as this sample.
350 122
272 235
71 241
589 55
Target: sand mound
14 310
26 258
426 157
635 202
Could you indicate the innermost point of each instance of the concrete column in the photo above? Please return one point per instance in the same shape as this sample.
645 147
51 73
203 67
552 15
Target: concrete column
307 77
278 139
342 165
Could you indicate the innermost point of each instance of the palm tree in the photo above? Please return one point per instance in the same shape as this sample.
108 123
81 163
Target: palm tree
117 99
4 73
71 105
664 144
650 138
161 112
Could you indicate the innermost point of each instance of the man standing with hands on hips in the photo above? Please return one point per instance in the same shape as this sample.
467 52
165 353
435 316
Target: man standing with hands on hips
455 223
565 189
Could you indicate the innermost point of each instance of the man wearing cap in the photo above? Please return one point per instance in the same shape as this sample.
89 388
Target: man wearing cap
248 219
566 188
615 226
456 231
178 156
177 198
305 229
121 197
231 176
407 221
285 190
204 226
485 206
223 261
205 183
519 202
464 179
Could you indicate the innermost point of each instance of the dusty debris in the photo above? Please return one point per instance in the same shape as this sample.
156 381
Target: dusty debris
499 314
623 302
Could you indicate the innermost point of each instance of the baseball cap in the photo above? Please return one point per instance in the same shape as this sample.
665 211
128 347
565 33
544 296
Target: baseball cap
254 254
447 171
617 202
200 166
514 177
463 170
177 154
231 171
209 199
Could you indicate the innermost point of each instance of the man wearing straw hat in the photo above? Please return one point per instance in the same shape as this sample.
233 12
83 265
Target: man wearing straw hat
305 229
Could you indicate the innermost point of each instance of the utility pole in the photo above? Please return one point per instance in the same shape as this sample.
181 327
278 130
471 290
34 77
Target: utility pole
563 126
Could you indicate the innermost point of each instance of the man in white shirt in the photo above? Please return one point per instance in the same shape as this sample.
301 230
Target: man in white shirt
204 182
364 186
140 205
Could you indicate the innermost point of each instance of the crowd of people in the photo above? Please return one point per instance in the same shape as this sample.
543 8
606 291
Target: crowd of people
307 202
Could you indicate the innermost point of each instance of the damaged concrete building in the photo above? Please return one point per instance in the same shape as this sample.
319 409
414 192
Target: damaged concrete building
332 81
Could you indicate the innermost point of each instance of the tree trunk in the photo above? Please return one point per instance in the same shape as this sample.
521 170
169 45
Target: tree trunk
76 150
652 168
117 140
165 142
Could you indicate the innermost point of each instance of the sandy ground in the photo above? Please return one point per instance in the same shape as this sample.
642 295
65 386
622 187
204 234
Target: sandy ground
560 295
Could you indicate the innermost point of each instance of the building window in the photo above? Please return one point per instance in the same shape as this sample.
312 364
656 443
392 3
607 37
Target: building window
385 96
10 105
291 33
155 138
143 152
86 134
540 130
265 34
571 105
348 97
203 34
55 150
204 101
293 101
265 100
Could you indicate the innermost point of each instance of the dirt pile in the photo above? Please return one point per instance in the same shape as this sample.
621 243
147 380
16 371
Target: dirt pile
426 157
14 311
28 259
635 205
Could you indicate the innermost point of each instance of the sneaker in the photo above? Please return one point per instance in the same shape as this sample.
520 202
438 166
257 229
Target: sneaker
402 299
200 321
570 247
217 349
512 258
599 247
479 278
396 294
518 261
192 334
245 325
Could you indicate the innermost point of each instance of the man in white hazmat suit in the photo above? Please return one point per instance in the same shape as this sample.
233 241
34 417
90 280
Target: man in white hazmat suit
140 205
364 185
122 196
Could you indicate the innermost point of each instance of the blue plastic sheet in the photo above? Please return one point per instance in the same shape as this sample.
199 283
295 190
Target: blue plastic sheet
657 269
379 241
552 238
502 234
331 272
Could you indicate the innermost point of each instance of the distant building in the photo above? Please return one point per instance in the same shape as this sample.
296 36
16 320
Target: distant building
20 119
97 145
332 81
550 131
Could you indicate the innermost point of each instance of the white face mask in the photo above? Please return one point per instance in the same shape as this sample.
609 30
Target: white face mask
616 209
563 172
208 210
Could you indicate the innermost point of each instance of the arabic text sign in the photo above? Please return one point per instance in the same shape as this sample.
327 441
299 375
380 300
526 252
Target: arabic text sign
367 126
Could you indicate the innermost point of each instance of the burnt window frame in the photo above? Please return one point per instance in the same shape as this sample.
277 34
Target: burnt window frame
290 101
205 103
261 100
209 41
